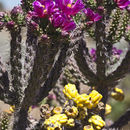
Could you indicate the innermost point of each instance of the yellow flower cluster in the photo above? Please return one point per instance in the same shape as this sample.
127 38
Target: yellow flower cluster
55 122
68 115
97 121
82 100
118 94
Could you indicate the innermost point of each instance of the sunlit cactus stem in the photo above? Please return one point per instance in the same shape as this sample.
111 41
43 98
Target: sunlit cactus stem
16 65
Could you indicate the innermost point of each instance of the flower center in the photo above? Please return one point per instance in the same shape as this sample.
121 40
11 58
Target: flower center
69 5
43 6
45 11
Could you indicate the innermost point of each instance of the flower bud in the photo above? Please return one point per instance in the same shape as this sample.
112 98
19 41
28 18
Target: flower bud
10 24
118 94
16 10
108 109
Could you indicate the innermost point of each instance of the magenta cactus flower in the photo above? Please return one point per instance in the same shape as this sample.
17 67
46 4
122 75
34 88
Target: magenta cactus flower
62 21
94 17
30 15
122 4
43 8
93 54
58 19
69 7
68 26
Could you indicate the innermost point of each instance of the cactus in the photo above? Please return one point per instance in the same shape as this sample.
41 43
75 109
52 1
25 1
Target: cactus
55 50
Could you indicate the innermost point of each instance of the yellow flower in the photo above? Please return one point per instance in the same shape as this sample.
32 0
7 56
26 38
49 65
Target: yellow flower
70 122
118 94
71 111
70 91
61 118
55 120
57 110
93 99
88 127
97 121
56 126
90 101
82 100
108 109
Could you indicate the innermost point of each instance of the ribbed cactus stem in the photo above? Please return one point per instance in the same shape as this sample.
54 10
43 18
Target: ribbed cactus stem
72 73
122 27
40 59
54 73
114 24
15 62
30 53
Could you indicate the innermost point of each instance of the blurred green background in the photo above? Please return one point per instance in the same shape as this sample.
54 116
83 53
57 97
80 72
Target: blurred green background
118 108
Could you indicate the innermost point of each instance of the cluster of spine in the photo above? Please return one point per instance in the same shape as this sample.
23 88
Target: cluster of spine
27 5
83 110
91 3
127 33
123 23
114 24
14 20
108 4
4 121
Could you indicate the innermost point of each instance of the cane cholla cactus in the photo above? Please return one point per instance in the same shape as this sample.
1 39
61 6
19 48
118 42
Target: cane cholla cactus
55 36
